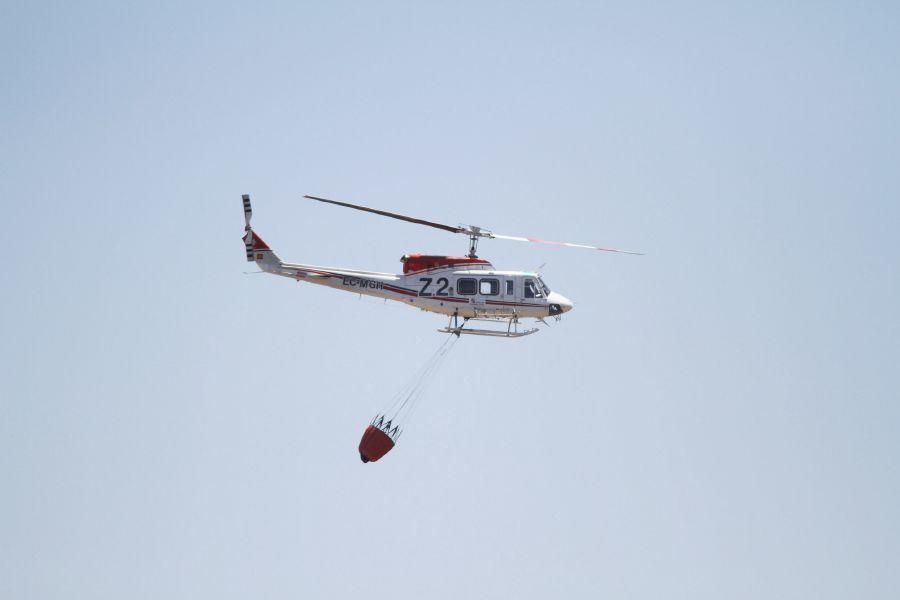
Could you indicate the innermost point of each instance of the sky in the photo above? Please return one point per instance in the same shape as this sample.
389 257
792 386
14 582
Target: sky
718 418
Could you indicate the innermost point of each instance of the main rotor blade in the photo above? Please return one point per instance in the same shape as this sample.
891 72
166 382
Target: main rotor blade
569 244
385 213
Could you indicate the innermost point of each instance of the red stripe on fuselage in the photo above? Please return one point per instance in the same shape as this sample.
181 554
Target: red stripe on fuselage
503 303
399 290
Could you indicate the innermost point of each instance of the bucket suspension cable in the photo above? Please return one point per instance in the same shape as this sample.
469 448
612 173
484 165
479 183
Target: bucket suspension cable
412 391
426 380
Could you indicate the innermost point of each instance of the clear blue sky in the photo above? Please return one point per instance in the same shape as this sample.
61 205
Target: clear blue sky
718 419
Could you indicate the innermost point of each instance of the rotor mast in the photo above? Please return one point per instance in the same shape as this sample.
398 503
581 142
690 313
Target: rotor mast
474 234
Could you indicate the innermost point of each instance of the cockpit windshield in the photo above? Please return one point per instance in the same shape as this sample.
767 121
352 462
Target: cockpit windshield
543 286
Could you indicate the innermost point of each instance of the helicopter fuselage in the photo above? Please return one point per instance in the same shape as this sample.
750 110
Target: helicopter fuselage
471 289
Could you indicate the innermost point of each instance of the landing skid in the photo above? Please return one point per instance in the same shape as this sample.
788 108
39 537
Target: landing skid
512 328
488 332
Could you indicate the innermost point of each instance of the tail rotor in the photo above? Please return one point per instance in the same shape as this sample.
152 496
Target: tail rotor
248 211
257 249
248 236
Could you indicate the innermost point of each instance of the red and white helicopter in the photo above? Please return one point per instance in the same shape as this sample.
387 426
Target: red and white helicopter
461 287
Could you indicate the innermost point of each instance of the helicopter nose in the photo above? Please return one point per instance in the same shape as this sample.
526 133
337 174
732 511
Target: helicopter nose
559 304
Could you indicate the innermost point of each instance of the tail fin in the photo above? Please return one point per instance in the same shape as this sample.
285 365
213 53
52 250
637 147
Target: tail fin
257 249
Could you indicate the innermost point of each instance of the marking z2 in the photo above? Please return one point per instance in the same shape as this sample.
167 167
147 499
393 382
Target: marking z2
443 282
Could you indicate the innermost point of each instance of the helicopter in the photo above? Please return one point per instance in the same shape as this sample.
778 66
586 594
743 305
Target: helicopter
466 288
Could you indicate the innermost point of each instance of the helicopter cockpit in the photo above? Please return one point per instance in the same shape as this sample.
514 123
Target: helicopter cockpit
536 288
